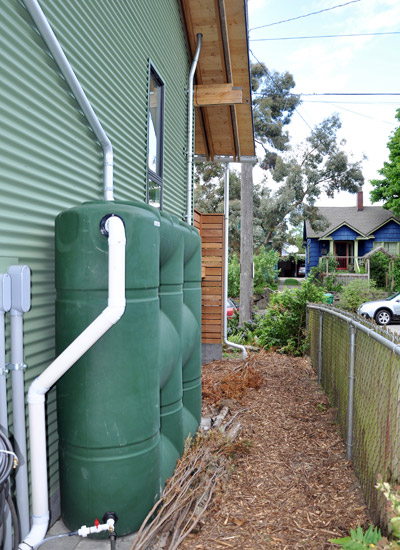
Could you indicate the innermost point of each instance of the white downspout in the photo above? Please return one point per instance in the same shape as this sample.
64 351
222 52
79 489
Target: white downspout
41 385
190 129
226 217
60 58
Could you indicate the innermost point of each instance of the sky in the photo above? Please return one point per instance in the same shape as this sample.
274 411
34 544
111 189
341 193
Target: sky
345 65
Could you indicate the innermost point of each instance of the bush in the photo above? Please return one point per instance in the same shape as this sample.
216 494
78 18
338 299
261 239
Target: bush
234 276
331 284
395 273
283 326
264 270
379 267
357 292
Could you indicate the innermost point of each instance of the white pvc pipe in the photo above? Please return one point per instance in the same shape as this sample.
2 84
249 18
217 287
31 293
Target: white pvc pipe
57 52
226 235
190 130
41 385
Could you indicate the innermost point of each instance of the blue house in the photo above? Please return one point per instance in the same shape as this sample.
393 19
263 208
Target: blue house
351 233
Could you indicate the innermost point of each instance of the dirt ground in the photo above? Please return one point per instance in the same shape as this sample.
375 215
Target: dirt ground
290 487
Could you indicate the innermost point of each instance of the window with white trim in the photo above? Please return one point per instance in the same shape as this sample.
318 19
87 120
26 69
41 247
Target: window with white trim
155 140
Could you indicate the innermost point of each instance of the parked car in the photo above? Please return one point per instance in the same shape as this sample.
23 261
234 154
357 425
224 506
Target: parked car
302 271
231 307
383 311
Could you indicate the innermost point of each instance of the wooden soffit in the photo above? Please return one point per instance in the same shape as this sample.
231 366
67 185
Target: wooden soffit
224 123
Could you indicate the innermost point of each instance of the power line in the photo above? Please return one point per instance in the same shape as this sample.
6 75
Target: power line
334 93
355 112
323 36
351 93
306 15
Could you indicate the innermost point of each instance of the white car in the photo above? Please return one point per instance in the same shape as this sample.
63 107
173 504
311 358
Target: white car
383 311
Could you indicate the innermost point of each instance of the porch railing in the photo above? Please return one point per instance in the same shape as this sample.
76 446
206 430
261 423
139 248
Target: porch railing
353 265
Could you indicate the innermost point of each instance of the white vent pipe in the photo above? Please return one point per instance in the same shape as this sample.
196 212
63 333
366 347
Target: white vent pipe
60 58
190 130
226 217
41 385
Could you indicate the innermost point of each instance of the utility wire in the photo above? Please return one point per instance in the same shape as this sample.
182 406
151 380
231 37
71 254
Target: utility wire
323 36
306 15
334 93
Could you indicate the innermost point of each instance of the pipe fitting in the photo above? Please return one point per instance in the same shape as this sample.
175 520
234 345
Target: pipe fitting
37 533
36 392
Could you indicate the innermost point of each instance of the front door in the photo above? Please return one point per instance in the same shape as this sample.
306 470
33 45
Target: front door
341 253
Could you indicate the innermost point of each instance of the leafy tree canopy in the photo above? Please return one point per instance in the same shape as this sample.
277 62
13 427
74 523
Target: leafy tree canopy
273 106
388 189
319 165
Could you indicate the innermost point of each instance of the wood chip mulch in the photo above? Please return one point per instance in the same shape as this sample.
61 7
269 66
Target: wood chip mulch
290 487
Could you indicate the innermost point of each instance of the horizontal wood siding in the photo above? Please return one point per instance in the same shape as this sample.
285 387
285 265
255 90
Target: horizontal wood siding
390 232
344 234
211 228
313 257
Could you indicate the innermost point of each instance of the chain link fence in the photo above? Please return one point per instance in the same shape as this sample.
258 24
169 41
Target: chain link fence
358 365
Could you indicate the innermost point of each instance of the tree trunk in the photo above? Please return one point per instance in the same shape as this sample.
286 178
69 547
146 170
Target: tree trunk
246 244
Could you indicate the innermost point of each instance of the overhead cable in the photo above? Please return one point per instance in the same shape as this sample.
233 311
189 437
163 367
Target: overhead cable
323 36
306 15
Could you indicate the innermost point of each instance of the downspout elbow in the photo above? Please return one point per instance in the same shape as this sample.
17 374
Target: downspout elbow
37 533
114 313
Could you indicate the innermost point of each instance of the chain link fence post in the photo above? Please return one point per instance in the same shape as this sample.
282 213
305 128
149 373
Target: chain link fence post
350 395
321 318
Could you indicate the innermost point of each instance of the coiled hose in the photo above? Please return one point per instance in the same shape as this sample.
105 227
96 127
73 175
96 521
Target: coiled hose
8 461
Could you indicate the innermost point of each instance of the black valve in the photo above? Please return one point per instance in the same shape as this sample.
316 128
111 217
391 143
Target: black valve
112 535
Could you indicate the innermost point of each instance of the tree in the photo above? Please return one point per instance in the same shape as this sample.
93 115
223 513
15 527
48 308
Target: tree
388 189
319 165
273 107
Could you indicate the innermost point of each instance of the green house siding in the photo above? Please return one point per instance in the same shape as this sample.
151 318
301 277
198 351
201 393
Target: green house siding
50 159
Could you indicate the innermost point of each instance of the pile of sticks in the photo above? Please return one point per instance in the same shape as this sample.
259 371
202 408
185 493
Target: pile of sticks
189 492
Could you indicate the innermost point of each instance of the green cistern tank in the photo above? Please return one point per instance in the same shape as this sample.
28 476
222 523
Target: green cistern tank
126 407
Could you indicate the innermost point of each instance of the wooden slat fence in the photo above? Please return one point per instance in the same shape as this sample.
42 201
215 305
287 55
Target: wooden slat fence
211 228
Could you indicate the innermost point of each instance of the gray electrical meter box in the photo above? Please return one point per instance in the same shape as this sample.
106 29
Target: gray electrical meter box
5 292
20 288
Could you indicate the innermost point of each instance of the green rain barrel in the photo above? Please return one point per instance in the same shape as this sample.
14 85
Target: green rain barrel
170 356
109 401
191 330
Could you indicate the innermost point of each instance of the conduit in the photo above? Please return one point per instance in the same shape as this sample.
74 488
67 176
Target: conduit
226 218
190 129
5 305
20 304
41 385
60 58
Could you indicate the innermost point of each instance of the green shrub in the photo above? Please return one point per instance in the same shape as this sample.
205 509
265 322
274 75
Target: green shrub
331 284
234 276
379 267
357 292
264 270
283 326
395 274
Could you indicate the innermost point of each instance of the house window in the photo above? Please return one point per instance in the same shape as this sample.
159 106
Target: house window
155 140
389 246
